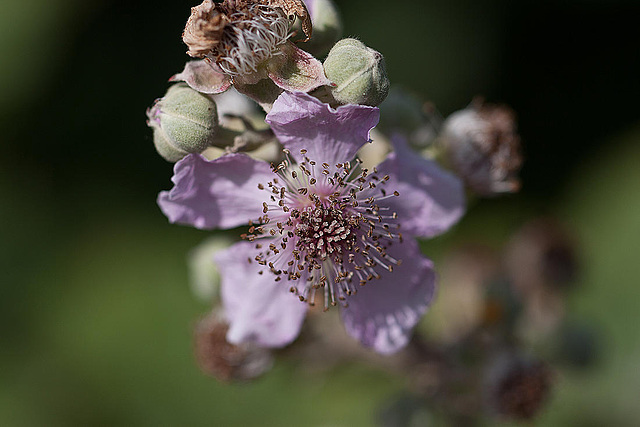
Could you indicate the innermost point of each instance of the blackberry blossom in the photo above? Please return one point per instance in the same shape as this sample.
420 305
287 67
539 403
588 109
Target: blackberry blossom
320 227
328 232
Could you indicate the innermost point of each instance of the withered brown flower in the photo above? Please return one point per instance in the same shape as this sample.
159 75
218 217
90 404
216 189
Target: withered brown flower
204 29
482 144
246 43
239 35
225 361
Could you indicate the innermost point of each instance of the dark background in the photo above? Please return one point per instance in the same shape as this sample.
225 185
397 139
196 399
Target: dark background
95 308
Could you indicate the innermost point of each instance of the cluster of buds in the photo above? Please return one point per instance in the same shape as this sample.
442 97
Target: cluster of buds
246 48
254 90
246 54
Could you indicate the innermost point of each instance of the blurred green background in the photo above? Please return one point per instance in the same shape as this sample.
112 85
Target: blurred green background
95 307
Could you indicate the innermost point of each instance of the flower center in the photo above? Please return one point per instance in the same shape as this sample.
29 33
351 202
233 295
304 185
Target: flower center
326 231
253 36
237 35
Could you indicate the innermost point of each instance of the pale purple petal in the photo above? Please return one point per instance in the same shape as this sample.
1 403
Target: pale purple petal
204 77
296 70
383 312
431 199
301 121
309 4
222 193
258 309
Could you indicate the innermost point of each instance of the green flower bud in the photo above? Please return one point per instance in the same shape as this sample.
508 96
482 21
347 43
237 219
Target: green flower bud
203 272
358 72
184 121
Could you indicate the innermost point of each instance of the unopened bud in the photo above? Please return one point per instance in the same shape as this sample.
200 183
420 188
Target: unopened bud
203 273
482 145
225 361
517 386
358 72
184 121
327 26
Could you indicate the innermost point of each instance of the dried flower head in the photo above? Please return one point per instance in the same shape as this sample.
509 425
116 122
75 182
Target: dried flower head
246 43
225 361
239 35
483 146
204 29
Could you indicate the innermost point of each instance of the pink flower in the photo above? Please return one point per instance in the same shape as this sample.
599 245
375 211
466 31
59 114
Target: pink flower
321 230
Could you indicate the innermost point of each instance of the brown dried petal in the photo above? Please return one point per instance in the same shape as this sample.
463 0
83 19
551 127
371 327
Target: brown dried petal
295 8
204 29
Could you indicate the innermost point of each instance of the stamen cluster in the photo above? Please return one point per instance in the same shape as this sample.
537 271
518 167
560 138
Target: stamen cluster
328 228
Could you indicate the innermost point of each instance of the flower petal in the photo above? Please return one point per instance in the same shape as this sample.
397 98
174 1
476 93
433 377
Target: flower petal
301 121
383 312
222 193
258 309
296 70
204 77
431 199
